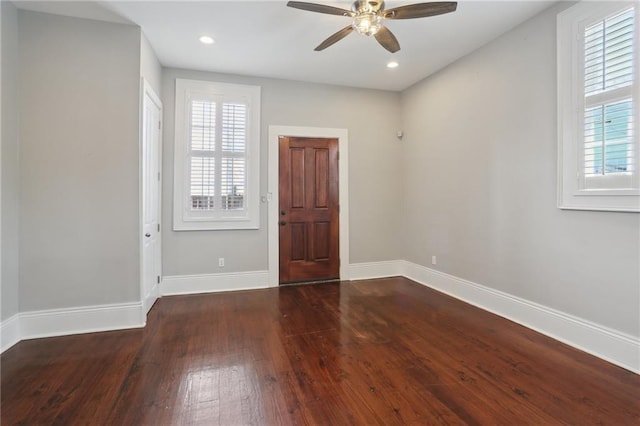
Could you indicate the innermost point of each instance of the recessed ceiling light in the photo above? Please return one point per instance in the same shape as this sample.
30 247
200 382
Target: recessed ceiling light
392 64
206 40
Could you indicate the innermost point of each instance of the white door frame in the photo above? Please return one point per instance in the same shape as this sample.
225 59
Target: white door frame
343 197
147 300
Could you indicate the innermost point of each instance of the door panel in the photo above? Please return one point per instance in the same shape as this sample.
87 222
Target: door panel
321 241
298 241
298 184
308 193
322 179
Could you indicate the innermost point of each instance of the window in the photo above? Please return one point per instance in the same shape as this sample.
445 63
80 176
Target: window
598 151
217 156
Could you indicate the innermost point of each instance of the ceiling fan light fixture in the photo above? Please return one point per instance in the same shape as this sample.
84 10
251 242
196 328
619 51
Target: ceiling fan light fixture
367 23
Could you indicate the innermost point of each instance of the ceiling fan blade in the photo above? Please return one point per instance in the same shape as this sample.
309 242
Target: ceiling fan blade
334 38
320 8
421 10
387 39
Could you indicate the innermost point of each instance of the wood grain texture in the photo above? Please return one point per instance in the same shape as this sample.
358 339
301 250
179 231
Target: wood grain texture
387 352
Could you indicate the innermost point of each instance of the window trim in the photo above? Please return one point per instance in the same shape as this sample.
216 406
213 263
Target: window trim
570 103
183 218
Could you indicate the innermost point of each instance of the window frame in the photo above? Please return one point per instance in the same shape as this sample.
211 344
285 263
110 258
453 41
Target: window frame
571 110
184 218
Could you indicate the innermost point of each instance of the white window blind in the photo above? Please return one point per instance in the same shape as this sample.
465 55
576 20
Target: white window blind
217 156
609 108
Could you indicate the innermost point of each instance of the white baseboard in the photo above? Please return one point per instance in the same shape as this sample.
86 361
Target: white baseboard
369 270
9 332
64 322
611 345
211 283
90 319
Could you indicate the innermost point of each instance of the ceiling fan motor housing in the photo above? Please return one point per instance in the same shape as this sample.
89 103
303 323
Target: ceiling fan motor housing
367 18
362 6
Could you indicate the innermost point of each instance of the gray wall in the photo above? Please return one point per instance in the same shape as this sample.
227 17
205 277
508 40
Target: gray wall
79 94
10 209
473 181
480 186
372 119
150 68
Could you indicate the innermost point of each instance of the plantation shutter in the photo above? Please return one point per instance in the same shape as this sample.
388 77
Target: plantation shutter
217 155
203 144
234 143
609 78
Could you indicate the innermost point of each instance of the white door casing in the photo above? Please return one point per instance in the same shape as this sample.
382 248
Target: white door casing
151 157
272 196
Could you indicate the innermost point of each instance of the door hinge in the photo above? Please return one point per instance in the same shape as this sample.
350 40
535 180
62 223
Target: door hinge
159 125
158 176
158 227
158 279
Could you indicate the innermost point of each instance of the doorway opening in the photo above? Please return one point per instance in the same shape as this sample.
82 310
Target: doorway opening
311 256
150 202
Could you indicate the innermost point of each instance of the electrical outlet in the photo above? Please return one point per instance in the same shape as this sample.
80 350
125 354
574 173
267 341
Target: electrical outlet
221 262
434 260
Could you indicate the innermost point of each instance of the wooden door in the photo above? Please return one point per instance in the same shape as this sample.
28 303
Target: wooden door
309 219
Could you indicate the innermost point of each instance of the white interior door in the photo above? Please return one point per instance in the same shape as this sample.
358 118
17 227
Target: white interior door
151 262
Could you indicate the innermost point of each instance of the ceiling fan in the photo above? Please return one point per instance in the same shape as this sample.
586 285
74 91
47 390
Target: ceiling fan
369 15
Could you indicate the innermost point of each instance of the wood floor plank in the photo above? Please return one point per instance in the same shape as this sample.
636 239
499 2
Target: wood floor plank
386 351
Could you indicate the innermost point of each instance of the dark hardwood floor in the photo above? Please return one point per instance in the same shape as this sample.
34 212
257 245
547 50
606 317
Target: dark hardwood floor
372 352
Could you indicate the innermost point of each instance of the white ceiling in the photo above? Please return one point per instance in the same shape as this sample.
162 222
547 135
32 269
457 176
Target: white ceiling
267 39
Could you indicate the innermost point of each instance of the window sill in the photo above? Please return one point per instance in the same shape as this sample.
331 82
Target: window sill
606 203
218 225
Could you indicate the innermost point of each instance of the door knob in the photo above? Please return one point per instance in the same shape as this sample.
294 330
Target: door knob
283 223
283 213
147 235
